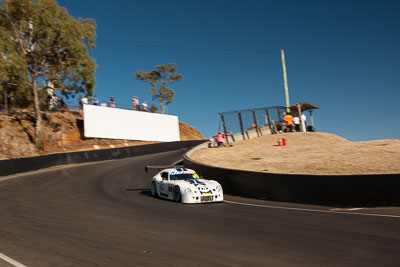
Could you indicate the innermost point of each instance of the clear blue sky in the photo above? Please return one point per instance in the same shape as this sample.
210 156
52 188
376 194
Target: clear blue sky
340 55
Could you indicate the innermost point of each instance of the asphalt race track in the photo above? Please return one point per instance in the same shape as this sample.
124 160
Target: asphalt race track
102 214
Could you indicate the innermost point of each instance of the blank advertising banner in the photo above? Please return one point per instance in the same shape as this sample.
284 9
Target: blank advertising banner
115 123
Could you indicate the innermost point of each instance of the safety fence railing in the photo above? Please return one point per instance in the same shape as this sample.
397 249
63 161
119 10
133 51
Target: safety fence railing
72 105
247 123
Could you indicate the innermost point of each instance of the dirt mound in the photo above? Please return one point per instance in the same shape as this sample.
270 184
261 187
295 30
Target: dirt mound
63 132
306 153
188 132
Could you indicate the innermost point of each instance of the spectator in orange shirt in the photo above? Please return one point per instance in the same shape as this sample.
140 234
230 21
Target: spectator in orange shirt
289 122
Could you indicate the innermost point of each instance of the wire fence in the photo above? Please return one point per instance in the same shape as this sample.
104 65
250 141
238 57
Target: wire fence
248 123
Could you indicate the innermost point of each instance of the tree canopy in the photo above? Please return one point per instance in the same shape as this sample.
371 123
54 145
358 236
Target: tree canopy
43 47
159 78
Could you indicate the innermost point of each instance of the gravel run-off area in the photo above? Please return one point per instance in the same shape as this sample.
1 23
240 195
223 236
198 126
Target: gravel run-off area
306 153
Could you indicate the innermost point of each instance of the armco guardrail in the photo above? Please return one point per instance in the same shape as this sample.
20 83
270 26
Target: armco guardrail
13 166
328 190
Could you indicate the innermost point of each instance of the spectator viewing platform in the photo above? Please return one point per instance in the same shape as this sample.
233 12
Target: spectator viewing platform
248 123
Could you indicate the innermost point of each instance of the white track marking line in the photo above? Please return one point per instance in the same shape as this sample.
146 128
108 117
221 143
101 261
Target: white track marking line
351 209
311 210
11 261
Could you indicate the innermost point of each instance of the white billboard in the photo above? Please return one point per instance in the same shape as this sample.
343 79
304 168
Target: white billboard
115 123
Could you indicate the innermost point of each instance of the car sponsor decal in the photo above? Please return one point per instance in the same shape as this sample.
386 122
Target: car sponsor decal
196 182
182 171
202 187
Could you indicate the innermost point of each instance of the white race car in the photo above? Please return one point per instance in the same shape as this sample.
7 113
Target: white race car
184 185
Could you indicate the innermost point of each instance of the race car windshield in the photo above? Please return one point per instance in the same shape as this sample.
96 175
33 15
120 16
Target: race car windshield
184 176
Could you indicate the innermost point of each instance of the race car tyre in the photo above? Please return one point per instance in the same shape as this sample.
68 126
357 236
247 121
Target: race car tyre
153 189
177 194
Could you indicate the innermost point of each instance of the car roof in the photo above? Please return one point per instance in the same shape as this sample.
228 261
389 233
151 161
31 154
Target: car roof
177 169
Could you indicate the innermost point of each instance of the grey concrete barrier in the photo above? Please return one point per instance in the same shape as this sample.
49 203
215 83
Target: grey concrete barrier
12 166
327 190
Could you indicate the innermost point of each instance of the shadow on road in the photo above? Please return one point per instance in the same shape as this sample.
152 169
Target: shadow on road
143 191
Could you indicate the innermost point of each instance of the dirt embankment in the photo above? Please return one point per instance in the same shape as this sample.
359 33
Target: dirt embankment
306 153
63 132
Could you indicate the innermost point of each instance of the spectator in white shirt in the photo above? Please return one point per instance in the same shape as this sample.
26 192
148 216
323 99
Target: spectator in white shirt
296 121
303 121
85 100
144 106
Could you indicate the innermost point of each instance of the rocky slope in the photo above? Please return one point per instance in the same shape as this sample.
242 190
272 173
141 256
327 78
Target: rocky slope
63 132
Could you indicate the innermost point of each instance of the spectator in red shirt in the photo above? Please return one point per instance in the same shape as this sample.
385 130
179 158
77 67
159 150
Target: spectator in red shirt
220 139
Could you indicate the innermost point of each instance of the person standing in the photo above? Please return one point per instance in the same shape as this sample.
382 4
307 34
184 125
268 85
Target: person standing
80 106
296 121
49 102
135 102
211 142
95 101
303 119
289 122
62 103
55 102
112 102
85 100
144 106
220 139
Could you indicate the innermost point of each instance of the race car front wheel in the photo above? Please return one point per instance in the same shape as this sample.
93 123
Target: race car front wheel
177 194
153 189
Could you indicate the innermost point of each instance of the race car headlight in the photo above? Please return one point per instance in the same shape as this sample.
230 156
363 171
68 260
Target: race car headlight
188 190
219 188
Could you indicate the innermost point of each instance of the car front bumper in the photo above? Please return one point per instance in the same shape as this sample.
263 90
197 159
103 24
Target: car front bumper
207 198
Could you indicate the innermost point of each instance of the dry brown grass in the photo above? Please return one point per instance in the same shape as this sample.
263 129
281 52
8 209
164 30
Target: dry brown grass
307 153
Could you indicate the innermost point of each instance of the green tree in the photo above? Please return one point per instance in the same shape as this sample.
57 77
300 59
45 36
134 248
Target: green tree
159 79
43 47
153 108
13 88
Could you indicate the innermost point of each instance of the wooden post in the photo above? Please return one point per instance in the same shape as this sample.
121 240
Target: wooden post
269 120
299 114
285 81
311 119
281 121
255 123
241 124
224 125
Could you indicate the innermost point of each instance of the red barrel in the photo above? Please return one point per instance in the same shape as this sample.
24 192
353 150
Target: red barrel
284 141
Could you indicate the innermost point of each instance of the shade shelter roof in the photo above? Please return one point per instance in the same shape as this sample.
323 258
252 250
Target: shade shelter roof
303 106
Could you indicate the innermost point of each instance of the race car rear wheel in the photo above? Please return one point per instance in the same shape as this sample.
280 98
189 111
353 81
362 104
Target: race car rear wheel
177 194
153 189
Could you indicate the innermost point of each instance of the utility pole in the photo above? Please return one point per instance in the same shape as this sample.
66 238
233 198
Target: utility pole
285 81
